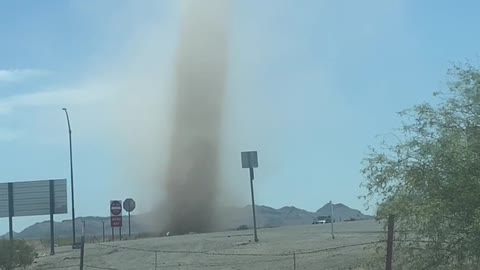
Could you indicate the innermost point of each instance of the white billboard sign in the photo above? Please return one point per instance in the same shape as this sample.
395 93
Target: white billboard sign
33 198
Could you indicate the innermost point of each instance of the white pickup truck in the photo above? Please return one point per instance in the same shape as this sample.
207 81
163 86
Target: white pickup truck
322 220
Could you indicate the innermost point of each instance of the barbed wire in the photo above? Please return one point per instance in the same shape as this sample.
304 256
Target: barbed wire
422 241
221 264
57 267
240 254
191 251
338 247
100 267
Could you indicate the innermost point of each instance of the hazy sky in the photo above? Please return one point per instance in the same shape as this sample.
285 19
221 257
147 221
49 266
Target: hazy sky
310 86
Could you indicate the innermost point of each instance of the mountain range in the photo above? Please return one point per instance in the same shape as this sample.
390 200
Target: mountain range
232 218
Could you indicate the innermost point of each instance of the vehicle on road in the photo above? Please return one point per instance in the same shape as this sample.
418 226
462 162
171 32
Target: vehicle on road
322 220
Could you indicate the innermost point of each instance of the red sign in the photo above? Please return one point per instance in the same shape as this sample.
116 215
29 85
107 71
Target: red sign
115 208
116 221
116 213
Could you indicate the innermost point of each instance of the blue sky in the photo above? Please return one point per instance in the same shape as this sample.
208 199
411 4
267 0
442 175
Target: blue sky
311 85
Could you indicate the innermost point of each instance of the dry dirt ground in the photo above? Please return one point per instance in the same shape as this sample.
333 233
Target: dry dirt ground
312 245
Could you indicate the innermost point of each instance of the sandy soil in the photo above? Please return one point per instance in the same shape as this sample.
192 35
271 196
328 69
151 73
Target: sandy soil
313 247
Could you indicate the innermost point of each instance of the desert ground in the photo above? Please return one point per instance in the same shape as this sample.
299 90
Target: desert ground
295 247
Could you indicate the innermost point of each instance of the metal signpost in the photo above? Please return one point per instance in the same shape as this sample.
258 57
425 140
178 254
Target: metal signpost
332 219
116 216
33 198
103 230
129 206
250 161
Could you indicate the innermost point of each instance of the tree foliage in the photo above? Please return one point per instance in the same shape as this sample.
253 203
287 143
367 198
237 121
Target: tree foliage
430 178
15 254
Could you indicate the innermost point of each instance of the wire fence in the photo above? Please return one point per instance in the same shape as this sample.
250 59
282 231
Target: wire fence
350 250
145 258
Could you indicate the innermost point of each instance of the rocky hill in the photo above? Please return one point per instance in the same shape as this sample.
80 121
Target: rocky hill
231 218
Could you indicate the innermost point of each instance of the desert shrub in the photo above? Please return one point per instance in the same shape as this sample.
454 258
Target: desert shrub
15 254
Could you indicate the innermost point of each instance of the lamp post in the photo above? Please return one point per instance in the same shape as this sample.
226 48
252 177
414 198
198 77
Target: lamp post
71 175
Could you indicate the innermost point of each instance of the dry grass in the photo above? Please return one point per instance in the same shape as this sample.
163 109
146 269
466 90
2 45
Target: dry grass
352 248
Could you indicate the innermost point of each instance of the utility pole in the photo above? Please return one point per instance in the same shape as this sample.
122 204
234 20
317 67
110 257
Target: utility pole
71 177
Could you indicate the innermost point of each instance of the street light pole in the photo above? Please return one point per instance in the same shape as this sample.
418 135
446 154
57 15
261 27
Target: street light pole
71 175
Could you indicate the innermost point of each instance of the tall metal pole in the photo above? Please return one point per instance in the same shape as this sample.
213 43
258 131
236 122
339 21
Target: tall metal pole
71 175
253 205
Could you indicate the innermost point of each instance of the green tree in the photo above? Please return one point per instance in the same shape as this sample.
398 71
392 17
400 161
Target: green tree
15 254
429 178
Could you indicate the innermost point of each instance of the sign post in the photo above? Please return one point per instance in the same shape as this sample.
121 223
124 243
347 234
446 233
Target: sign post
103 230
129 206
116 216
332 219
250 161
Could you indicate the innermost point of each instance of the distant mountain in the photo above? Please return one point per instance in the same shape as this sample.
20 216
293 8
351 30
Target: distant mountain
342 212
230 218
7 235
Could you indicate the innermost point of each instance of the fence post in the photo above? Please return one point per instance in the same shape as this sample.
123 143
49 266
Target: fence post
294 262
155 260
82 248
391 223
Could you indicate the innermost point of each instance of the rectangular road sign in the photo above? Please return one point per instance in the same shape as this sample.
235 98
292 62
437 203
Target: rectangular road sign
115 221
32 198
249 159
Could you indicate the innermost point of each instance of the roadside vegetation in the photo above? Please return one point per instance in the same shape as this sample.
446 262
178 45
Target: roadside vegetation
15 254
428 176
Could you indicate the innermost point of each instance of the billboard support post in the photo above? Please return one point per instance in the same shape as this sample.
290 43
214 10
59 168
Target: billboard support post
10 211
52 211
